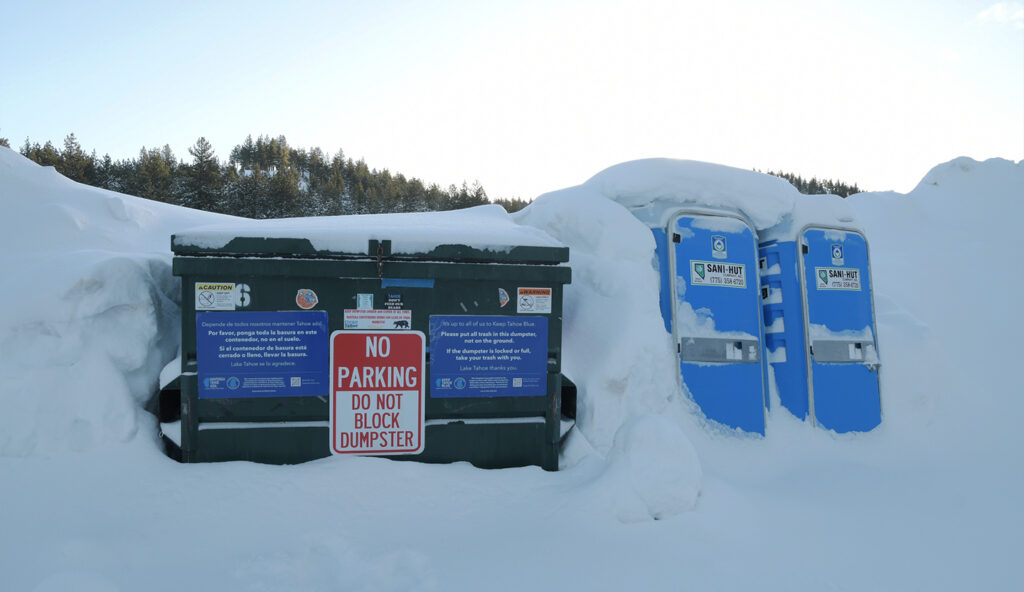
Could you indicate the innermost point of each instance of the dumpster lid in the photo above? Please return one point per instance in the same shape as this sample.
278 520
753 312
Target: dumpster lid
480 234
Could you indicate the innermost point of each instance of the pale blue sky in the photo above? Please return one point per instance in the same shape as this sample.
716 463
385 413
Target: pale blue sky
530 96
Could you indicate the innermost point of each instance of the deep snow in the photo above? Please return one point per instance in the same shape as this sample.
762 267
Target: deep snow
929 500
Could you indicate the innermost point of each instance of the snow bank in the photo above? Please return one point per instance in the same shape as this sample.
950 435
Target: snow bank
614 346
90 309
946 267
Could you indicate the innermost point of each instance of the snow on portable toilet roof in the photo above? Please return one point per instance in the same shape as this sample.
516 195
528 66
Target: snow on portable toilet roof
831 211
654 188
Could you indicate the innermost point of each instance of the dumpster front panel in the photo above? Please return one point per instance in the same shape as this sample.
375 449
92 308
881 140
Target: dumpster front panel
277 418
717 317
840 328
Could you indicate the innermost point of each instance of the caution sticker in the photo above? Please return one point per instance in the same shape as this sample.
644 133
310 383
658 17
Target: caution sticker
714 273
534 300
216 296
837 278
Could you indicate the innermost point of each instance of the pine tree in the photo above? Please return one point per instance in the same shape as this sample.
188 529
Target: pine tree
74 164
203 177
45 155
104 172
155 170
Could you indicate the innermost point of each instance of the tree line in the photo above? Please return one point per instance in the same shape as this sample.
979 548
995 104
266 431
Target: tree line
814 186
268 178
261 178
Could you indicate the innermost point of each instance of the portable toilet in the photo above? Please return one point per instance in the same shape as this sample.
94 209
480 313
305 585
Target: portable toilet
710 301
819 320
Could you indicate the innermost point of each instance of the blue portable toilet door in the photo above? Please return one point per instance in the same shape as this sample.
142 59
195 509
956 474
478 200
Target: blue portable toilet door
716 316
840 329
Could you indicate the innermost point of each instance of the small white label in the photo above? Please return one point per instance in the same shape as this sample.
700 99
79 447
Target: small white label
534 300
378 320
714 273
837 278
364 301
219 296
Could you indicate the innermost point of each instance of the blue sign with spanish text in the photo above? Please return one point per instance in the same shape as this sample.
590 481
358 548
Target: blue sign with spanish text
262 354
488 356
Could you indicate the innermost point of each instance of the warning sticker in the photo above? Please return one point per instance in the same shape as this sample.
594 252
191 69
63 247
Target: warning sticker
534 300
378 320
837 278
215 296
711 273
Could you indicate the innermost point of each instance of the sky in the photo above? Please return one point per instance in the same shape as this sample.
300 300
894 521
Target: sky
530 96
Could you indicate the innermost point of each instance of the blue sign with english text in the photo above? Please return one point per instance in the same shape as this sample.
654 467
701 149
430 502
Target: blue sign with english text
488 356
262 354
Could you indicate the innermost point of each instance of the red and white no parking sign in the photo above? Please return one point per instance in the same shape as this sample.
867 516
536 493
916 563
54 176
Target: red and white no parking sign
377 392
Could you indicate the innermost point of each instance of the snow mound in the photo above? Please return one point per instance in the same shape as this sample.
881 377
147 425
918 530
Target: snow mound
965 177
614 345
762 198
90 309
49 213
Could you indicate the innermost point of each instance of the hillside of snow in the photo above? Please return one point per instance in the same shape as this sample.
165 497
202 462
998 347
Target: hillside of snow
651 496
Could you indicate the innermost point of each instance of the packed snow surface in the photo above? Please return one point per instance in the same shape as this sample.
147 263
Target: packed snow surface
651 496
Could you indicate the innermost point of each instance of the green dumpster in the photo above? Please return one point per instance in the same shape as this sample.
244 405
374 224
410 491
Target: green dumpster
266 319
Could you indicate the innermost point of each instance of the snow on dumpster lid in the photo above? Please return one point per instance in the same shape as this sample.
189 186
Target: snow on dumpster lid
481 234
